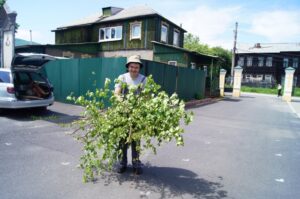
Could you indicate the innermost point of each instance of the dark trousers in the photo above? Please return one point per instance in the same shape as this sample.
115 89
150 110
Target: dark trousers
279 92
135 154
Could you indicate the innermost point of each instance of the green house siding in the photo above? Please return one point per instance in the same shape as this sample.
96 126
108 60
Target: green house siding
150 31
165 54
72 35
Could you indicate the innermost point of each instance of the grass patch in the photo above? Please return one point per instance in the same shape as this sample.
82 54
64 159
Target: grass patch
297 92
272 91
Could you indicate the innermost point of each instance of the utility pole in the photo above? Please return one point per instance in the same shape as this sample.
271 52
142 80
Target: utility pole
31 37
233 52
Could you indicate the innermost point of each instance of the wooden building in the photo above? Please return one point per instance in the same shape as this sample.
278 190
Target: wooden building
265 63
118 32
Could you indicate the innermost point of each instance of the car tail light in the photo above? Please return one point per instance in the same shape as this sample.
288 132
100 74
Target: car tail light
10 90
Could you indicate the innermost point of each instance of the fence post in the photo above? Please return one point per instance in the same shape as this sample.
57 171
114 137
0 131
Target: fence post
288 84
237 81
222 81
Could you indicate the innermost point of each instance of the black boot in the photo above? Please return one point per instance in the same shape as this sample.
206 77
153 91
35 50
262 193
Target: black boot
137 170
122 169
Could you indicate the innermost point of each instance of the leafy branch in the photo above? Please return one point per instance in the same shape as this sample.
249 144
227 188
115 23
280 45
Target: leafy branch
147 115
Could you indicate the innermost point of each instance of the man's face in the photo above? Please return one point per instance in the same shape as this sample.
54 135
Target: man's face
134 69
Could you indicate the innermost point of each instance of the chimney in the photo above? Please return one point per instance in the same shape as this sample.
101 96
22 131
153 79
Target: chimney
109 11
257 45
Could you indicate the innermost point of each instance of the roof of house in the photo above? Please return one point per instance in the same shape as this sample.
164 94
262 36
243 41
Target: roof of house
267 48
127 13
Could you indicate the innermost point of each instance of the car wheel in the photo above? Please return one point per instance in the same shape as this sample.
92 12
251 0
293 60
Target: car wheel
42 109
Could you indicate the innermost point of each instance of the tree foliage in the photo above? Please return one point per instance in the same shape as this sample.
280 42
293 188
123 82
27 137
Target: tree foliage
2 2
193 43
151 116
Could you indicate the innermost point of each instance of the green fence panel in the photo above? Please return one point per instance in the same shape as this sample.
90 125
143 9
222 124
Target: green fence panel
77 76
54 75
69 78
89 74
169 79
185 83
112 68
157 70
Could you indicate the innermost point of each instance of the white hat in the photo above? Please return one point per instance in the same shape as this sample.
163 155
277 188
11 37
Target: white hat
134 59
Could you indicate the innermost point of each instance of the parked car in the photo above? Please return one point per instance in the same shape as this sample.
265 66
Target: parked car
25 84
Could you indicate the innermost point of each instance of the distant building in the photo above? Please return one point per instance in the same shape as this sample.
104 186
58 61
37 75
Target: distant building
122 32
7 35
265 63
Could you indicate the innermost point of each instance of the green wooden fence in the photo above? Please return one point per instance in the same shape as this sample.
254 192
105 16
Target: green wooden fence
77 76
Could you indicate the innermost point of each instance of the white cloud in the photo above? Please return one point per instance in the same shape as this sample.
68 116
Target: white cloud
214 26
277 26
42 37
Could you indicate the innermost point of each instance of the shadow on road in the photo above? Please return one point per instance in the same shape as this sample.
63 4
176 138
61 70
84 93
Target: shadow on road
169 183
38 114
231 99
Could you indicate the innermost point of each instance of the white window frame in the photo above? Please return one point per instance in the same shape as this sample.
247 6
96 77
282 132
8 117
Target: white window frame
260 61
178 37
268 78
167 32
131 30
249 61
173 63
67 54
285 62
259 77
269 61
241 61
193 65
295 62
109 29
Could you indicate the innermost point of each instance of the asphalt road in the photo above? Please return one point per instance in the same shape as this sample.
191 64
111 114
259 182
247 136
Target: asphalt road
245 148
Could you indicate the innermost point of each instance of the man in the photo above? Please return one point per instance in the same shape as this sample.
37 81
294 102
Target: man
279 87
132 78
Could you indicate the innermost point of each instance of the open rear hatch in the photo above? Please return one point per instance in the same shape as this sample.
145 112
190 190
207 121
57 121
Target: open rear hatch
29 81
30 61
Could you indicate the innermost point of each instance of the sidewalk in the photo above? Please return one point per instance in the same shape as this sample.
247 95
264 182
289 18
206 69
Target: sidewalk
294 105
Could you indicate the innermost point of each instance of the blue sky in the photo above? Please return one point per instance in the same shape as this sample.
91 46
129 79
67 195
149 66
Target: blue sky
268 21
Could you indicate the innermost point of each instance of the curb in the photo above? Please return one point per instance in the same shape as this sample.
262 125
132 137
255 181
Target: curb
201 102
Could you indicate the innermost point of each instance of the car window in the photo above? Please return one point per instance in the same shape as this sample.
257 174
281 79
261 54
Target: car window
37 77
4 77
23 78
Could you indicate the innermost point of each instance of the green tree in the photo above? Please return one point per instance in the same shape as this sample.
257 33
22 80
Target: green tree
151 117
193 43
2 2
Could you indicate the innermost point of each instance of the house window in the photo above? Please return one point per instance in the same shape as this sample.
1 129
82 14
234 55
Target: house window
295 62
164 33
193 65
176 38
248 77
269 61
260 61
268 78
249 61
135 30
285 62
174 63
110 33
68 54
259 77
241 61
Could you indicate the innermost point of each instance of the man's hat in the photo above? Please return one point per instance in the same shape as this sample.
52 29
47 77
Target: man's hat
134 59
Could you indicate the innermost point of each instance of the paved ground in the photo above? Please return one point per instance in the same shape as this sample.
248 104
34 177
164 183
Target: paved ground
245 148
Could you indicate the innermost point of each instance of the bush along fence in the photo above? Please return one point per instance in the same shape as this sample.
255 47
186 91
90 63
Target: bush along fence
77 76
